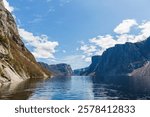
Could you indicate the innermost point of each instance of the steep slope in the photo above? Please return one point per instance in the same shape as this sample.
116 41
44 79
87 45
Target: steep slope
92 68
59 69
145 51
142 71
126 59
16 62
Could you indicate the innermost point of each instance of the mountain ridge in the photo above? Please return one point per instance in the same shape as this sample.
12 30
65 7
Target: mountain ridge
61 69
123 59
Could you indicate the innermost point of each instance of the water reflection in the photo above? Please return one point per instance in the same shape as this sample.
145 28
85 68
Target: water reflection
79 88
55 88
65 88
123 87
19 91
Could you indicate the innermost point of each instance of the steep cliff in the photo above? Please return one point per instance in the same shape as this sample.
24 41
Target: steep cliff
80 72
58 69
92 68
126 59
16 62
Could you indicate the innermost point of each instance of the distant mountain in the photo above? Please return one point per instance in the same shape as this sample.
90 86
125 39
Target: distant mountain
127 59
58 69
80 71
88 70
92 68
16 62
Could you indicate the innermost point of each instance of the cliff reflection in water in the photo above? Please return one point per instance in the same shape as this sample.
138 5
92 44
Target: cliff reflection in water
19 91
122 87
79 88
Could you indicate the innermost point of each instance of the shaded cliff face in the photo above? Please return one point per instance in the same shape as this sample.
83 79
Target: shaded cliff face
127 59
81 71
145 51
16 62
58 69
91 69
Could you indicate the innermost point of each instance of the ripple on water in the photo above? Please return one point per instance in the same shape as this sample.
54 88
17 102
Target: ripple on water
75 88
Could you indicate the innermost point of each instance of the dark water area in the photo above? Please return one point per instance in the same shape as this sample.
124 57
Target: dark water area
124 87
79 88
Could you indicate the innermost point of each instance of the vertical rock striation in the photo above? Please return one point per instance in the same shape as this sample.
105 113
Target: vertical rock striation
126 59
16 62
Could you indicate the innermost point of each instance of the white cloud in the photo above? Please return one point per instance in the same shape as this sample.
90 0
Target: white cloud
43 48
145 29
125 26
88 49
121 39
88 59
97 45
76 61
7 6
106 41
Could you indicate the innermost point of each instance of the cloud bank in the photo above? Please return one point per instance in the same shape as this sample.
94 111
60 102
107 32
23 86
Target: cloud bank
40 45
125 26
97 45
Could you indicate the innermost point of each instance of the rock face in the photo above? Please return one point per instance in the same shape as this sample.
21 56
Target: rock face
89 70
16 62
126 59
58 69
92 68
81 71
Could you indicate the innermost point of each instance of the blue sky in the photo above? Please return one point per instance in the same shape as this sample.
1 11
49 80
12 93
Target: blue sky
71 31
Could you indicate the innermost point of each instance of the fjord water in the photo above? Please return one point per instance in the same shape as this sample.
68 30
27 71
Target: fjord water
78 88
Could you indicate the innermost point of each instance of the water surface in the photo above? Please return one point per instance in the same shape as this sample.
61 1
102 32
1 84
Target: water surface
78 88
